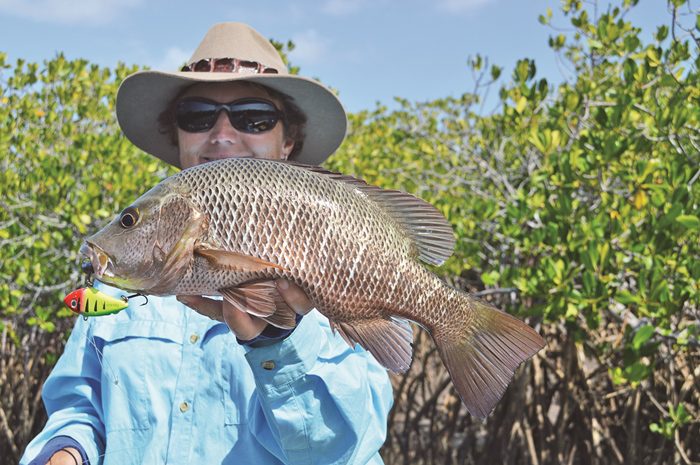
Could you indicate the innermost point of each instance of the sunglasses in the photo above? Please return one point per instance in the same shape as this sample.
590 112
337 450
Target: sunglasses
251 116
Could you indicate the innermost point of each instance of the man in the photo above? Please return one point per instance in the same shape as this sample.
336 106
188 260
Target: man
162 384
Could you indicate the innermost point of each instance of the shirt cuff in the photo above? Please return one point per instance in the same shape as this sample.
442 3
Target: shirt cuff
277 364
269 335
54 445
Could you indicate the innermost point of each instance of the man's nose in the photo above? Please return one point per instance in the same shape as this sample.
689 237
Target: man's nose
222 131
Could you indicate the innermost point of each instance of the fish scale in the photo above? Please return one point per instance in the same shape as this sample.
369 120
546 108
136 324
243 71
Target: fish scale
232 226
265 242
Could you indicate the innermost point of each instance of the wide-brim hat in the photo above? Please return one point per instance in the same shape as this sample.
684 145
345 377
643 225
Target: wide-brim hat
246 56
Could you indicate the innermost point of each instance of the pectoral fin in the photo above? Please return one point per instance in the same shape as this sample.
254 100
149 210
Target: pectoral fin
261 299
234 261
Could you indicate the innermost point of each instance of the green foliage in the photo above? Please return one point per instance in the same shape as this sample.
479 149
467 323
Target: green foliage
65 169
584 197
677 417
285 48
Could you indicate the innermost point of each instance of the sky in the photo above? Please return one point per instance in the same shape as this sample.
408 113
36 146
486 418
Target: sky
370 51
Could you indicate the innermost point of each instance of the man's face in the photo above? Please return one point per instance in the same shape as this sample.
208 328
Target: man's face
223 140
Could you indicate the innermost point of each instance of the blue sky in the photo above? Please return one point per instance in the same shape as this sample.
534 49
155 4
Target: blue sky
369 50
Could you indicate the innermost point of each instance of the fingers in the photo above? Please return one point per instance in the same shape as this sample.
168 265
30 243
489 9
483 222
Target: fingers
243 325
295 297
208 307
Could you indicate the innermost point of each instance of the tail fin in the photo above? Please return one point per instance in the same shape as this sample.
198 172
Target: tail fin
482 359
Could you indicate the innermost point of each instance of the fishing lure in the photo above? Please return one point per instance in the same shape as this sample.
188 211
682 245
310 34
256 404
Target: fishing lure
88 301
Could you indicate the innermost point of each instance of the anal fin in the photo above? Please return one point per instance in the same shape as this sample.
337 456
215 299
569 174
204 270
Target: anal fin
388 340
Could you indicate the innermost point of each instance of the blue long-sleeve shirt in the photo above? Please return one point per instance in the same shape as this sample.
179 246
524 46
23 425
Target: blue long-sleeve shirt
162 384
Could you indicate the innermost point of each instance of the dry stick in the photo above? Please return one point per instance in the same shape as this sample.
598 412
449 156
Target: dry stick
597 433
509 416
27 378
8 432
433 429
680 448
4 383
36 405
530 442
428 403
512 437
27 383
606 433
596 436
538 376
411 421
616 449
452 421
516 432
555 370
660 454
411 395
564 417
3 344
656 403
398 392
632 445
572 454
619 392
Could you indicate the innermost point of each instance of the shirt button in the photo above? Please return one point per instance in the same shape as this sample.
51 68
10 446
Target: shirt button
184 407
194 338
268 365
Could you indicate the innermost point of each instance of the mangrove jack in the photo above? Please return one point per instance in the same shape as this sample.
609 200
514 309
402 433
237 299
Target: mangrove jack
233 226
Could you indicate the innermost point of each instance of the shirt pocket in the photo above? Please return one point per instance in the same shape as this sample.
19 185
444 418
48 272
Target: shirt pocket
132 356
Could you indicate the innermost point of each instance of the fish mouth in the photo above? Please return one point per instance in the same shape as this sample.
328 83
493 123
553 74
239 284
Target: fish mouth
101 262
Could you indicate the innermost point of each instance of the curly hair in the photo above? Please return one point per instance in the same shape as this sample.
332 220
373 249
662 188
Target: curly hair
294 120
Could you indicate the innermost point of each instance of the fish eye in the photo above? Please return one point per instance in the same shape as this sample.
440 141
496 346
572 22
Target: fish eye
73 304
129 217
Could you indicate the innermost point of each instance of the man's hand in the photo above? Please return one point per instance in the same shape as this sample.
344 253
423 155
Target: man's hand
244 325
67 456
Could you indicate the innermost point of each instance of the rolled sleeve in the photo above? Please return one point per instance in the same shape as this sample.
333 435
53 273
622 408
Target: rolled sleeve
71 396
287 360
56 444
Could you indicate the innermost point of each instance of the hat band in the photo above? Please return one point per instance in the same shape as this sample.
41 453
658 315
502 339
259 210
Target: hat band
228 65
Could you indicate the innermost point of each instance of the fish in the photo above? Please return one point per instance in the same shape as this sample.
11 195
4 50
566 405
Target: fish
231 227
88 301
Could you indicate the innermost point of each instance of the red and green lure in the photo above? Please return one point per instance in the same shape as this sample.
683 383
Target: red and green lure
88 301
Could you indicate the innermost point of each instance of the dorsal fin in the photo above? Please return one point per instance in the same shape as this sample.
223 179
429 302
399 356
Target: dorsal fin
426 226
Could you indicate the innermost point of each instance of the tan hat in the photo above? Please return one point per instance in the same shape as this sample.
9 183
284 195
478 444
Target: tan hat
247 56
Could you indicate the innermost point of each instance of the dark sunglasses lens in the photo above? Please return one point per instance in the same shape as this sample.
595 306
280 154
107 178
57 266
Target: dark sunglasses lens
253 117
195 116
253 122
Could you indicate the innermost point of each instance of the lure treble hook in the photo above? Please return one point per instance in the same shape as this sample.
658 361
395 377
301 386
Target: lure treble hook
137 294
